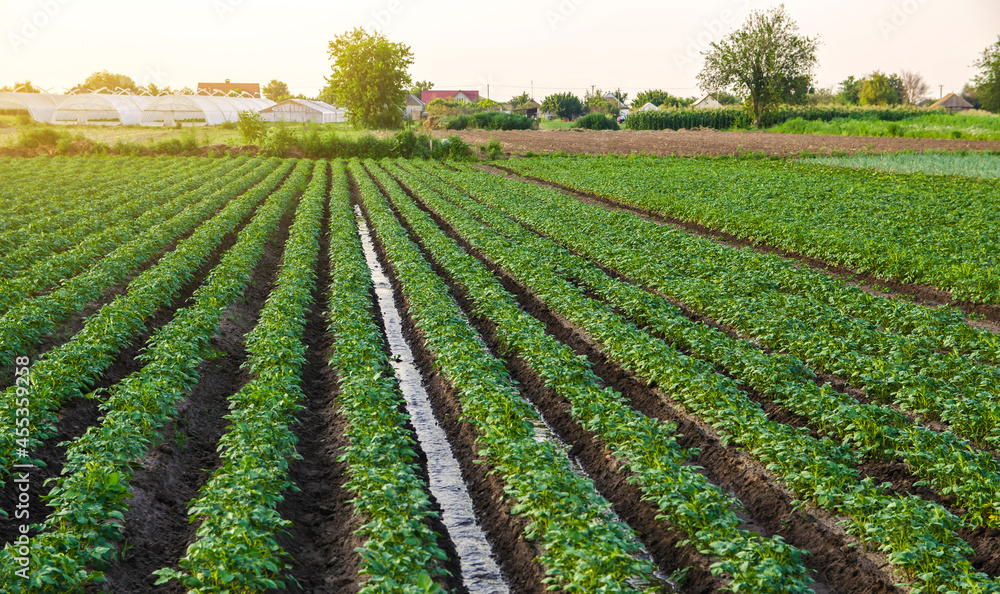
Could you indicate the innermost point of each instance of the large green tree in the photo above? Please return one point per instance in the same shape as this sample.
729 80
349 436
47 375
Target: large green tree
370 78
107 82
564 105
987 82
276 91
763 61
878 89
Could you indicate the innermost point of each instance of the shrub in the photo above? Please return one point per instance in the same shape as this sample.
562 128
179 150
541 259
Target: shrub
252 127
596 121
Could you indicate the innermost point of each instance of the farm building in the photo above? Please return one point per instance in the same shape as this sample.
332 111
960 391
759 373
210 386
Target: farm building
40 107
648 107
707 102
198 110
529 109
304 110
952 103
414 107
101 110
466 96
610 98
252 89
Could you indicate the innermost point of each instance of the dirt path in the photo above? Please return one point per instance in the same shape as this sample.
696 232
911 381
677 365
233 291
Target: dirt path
704 142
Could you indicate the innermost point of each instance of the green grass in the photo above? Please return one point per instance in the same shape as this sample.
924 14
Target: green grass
981 165
971 127
546 124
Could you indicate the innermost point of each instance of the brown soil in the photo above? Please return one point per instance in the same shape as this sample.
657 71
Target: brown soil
504 531
157 526
703 142
837 564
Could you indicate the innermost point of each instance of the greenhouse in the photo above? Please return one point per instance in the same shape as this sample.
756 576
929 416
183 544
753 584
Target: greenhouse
303 110
101 110
41 107
198 110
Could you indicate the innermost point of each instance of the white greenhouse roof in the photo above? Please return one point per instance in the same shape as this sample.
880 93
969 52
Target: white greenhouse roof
40 106
95 107
289 105
211 110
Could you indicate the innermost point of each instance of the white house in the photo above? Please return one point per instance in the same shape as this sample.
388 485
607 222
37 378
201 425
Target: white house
707 101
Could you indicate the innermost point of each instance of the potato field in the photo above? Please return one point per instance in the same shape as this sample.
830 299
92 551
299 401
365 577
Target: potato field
582 375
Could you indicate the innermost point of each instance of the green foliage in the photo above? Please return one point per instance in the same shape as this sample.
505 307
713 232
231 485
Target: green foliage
21 87
519 100
280 138
987 81
107 82
563 105
931 125
370 77
420 86
982 165
484 120
276 91
878 89
596 121
725 118
43 136
765 61
493 149
252 127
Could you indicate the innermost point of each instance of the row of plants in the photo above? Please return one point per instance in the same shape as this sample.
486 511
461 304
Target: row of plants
25 323
91 211
773 303
917 229
235 547
400 552
96 238
724 118
645 446
951 465
918 536
581 547
88 501
65 371
483 120
52 196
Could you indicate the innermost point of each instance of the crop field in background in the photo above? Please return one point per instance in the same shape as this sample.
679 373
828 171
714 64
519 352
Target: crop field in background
981 165
651 374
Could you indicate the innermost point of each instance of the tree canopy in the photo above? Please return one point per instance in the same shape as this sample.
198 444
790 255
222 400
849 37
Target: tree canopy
987 82
915 88
370 77
659 98
519 100
106 82
765 61
878 89
420 86
276 91
564 105
21 87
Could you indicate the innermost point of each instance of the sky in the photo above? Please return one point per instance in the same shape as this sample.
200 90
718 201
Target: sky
500 48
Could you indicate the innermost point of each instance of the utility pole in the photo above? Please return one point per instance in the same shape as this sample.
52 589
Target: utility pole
942 92
532 90
487 91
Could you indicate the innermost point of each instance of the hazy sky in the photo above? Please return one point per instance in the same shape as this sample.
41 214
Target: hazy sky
554 44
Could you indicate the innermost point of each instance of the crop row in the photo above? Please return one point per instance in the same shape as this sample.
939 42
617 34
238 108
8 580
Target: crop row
68 369
738 287
736 116
400 552
645 446
114 229
43 207
24 324
235 547
950 464
94 212
89 500
581 549
918 536
926 229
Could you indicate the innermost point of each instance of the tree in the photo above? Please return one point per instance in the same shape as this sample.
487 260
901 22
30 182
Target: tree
658 98
370 77
850 88
595 102
987 82
276 91
21 87
878 89
519 100
252 127
971 94
915 88
760 61
420 86
106 82
621 96
564 105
